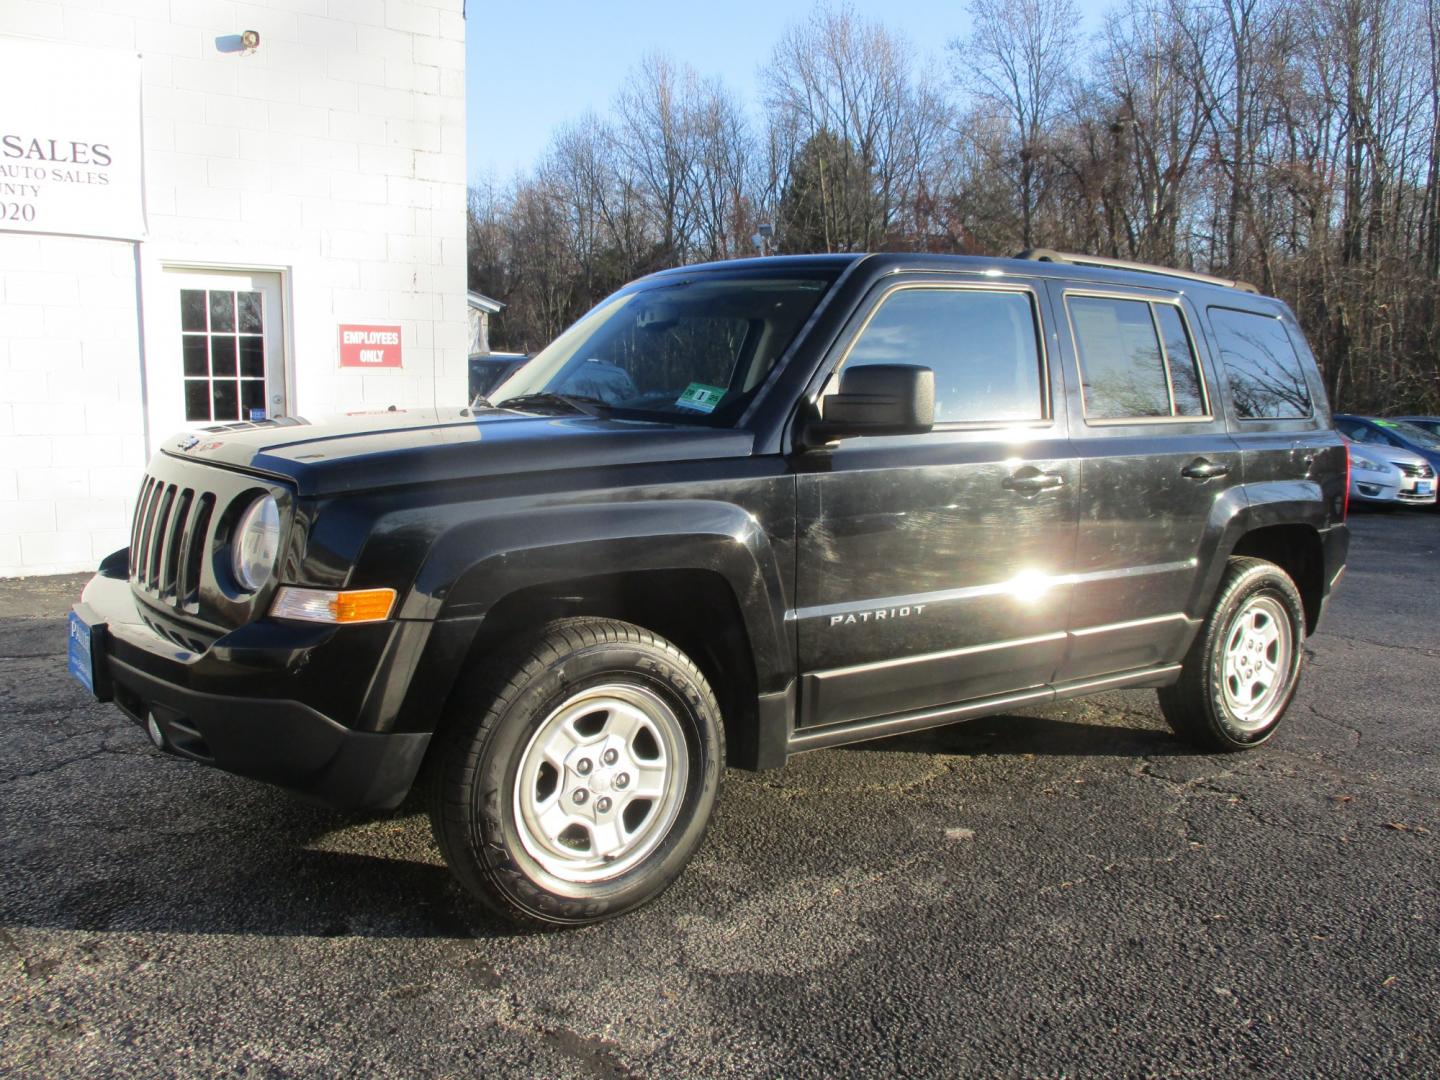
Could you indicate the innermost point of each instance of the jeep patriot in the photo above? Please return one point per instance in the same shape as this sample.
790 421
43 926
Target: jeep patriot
736 512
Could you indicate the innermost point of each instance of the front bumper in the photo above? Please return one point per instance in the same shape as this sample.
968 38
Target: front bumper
1362 490
261 702
1409 494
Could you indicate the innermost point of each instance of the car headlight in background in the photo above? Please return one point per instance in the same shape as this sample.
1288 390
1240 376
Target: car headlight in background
257 544
1364 464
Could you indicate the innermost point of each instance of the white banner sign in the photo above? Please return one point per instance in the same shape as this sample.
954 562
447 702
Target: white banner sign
70 150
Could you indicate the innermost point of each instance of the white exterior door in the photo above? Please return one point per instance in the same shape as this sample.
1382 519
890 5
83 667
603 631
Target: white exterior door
222 355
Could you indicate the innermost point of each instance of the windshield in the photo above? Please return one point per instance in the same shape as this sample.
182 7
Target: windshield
693 349
1410 433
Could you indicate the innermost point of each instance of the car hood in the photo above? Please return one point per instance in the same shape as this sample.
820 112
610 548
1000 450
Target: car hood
382 448
1370 455
1398 455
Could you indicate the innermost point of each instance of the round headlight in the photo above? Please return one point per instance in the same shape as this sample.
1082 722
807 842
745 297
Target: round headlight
257 544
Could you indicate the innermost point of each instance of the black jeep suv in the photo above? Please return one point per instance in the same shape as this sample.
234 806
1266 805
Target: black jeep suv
736 512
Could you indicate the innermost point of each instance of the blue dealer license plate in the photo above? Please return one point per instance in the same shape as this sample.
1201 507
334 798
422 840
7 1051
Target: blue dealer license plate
80 663
1423 487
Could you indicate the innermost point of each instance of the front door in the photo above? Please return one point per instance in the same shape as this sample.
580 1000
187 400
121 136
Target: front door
925 562
222 358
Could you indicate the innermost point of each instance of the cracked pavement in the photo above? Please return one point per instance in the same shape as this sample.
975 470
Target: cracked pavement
1059 891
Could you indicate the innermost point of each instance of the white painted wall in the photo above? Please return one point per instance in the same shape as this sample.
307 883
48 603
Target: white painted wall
335 153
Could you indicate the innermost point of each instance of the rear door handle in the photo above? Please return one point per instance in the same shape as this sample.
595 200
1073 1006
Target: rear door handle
1203 469
1029 481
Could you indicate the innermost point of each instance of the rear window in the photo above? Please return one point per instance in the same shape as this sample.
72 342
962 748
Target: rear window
1136 359
1267 379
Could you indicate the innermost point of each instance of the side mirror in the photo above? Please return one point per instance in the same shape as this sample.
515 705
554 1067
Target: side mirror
876 399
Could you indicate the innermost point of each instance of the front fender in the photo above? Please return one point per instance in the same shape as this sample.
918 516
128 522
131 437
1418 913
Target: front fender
474 564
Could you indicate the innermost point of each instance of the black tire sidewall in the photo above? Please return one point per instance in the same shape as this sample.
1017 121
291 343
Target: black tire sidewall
1262 579
510 868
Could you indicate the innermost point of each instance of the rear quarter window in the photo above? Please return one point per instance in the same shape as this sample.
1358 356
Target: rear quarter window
1266 374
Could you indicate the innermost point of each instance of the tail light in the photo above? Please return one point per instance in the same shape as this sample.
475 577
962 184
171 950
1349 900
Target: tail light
1345 506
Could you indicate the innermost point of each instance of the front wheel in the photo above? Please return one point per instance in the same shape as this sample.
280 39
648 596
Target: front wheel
573 779
1244 666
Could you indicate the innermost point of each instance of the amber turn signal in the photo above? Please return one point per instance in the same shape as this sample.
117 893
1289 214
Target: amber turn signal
321 605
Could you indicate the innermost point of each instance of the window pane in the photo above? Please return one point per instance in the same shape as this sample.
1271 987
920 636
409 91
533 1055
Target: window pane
1265 375
1120 361
1184 371
226 399
192 309
981 346
249 312
222 312
197 360
197 399
252 357
252 396
222 356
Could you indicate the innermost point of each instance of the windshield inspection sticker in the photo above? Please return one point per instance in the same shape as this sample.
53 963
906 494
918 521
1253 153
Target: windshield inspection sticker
700 397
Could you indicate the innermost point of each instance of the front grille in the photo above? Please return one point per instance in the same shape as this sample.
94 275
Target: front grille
179 540
168 541
1423 471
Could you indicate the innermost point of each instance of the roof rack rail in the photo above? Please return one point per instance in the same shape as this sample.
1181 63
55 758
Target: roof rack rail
1047 255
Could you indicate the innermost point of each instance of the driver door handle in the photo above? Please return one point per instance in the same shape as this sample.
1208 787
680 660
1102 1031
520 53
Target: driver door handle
1030 481
1204 469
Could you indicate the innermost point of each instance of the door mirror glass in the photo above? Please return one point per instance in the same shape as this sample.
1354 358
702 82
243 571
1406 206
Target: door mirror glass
876 399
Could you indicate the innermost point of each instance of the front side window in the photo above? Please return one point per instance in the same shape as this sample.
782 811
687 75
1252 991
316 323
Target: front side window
1136 359
982 346
693 349
1266 377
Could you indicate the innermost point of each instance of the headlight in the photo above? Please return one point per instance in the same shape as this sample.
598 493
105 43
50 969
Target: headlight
256 544
1362 464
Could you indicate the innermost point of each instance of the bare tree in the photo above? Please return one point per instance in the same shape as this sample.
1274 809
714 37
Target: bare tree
1015 63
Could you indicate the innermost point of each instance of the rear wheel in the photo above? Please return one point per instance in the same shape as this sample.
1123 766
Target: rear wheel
575 777
1244 666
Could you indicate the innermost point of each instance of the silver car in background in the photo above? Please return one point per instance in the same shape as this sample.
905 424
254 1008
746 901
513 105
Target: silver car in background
1373 479
1417 478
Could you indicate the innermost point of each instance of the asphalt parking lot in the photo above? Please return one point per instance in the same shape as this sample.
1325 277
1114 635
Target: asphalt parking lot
1065 891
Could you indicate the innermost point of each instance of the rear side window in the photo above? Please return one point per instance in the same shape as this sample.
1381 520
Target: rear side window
1267 380
1136 359
981 345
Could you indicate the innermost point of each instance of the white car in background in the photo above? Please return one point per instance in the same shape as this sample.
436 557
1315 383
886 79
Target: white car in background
1373 479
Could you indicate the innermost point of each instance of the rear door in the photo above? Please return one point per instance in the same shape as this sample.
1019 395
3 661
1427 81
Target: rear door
924 561
1157 469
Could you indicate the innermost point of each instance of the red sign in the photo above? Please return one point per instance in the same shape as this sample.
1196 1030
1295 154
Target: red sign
369 346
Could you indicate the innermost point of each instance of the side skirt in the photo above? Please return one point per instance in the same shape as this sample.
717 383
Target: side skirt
885 726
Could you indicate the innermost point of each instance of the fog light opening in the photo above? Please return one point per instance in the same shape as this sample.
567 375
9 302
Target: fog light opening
152 728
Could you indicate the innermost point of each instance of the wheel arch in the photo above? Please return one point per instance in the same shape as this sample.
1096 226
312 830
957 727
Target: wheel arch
1282 525
702 575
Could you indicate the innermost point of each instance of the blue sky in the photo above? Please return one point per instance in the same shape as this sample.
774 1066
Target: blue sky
533 64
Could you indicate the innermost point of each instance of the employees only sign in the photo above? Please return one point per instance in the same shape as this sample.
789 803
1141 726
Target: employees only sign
70 142
370 346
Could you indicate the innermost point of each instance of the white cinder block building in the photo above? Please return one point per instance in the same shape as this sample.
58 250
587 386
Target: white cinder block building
197 226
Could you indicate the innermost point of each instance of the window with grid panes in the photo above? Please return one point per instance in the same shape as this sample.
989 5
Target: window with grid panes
224 354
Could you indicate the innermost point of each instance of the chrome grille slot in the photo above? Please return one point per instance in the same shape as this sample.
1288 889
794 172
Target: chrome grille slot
135 526
157 539
144 521
174 539
187 589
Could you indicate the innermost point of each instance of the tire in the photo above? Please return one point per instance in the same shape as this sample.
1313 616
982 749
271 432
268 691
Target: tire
1244 666
574 777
